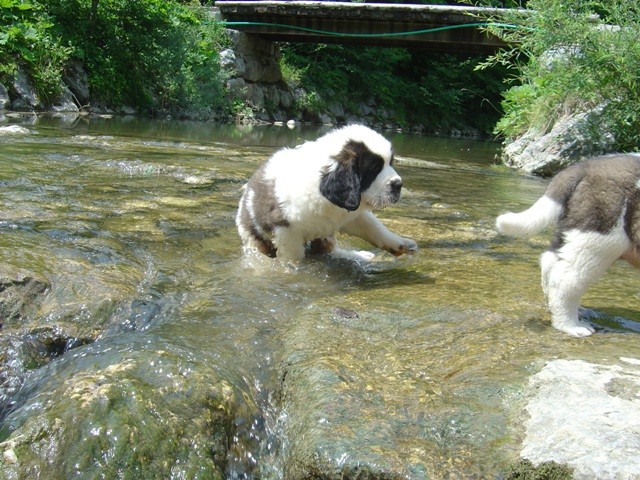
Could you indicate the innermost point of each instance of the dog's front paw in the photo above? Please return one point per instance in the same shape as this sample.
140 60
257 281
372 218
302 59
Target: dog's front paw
406 246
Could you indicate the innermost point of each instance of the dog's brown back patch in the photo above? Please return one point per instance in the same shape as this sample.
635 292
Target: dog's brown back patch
595 193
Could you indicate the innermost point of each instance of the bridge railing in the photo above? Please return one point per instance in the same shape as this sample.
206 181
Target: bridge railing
436 27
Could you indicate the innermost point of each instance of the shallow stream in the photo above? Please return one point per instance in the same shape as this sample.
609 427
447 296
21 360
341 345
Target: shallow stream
407 368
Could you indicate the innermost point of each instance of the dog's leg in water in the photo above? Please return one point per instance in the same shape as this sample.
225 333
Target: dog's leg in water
289 244
568 272
319 246
369 228
563 291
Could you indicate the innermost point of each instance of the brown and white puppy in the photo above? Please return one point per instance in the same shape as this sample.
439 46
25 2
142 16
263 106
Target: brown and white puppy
300 197
596 206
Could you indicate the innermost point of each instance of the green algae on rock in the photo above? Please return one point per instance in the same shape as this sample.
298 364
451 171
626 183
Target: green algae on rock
114 410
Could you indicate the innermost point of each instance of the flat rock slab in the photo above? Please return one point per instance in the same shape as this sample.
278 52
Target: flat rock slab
587 416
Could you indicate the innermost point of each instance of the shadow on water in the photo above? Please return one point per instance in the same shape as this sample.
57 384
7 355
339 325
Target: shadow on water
147 326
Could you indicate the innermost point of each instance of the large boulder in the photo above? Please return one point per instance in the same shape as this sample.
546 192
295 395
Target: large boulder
65 103
24 93
587 416
5 101
20 93
75 78
572 138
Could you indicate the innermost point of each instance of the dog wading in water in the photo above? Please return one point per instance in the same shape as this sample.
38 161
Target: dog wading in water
300 197
595 206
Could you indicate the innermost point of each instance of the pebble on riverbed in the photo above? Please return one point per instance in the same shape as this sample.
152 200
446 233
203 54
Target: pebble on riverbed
9 456
345 313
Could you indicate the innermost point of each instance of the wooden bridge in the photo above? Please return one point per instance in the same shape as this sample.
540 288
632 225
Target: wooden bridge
435 27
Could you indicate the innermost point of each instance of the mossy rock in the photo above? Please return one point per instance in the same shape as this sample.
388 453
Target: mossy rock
525 470
147 414
19 294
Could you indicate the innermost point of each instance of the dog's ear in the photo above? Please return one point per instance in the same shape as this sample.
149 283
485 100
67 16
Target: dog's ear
341 186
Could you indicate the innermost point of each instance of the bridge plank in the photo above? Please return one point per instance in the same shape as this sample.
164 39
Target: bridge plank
451 28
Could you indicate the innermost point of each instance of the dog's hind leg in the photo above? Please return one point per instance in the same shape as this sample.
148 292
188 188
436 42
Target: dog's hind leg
563 289
547 260
568 272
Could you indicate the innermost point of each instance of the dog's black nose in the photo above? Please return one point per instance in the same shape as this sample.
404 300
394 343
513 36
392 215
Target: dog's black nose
395 185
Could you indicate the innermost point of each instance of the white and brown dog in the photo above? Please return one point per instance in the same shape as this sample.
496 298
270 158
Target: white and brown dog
300 197
596 205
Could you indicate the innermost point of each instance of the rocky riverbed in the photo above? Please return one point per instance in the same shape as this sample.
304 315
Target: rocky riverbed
138 341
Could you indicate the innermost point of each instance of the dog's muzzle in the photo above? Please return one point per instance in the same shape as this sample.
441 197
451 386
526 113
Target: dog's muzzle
394 189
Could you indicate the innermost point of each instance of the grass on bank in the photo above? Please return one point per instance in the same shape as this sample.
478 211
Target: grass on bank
573 56
153 55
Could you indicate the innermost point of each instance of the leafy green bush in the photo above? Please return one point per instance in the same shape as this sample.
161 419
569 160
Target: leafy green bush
436 90
27 39
149 54
570 55
344 74
162 56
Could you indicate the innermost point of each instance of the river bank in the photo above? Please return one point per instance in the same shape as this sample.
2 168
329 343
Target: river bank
254 88
137 339
254 79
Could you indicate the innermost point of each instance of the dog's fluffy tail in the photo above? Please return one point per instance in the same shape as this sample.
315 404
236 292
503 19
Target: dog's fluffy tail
533 220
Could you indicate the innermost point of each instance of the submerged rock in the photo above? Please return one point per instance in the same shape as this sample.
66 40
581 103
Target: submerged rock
14 130
360 401
21 347
587 416
22 353
19 294
120 408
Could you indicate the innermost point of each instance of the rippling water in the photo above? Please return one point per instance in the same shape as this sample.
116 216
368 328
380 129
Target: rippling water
412 364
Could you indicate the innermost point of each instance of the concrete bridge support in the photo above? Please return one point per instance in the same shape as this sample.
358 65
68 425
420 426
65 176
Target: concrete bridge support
252 64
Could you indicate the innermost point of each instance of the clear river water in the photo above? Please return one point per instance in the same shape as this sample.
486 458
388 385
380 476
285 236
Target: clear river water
409 367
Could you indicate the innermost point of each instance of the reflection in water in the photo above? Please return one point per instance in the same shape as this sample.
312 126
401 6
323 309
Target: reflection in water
412 365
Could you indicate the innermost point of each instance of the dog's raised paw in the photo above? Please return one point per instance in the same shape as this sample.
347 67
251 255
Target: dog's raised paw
407 246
